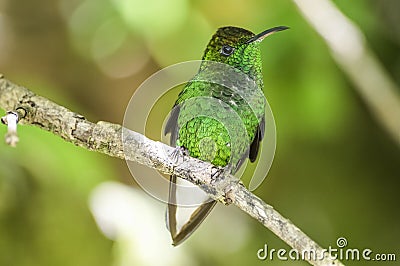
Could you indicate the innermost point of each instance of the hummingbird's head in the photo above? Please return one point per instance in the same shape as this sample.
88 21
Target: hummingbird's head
238 48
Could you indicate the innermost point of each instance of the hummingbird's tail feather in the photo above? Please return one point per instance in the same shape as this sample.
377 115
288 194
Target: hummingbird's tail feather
195 220
197 214
171 209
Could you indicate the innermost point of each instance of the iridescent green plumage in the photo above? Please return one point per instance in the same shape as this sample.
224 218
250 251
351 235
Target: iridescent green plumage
196 133
219 115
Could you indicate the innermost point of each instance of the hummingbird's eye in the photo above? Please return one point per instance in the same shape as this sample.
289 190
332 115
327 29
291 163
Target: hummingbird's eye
227 50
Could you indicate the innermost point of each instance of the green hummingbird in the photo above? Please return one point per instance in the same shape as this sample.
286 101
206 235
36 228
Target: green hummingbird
219 118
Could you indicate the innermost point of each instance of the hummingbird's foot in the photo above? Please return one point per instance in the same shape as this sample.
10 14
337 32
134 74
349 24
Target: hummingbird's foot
178 154
219 171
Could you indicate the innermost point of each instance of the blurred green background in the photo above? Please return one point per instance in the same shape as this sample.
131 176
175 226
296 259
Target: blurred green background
336 170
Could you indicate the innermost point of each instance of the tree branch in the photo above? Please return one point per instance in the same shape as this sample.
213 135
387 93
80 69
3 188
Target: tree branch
351 51
107 138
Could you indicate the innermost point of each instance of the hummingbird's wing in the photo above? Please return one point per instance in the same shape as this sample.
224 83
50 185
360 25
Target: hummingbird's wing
255 145
172 125
182 221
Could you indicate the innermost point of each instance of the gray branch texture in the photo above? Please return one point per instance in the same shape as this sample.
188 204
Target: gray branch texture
107 138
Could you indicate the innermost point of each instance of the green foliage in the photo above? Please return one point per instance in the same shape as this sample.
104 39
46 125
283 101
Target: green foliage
44 218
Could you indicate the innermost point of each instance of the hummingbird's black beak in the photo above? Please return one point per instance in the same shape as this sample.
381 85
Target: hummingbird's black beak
262 35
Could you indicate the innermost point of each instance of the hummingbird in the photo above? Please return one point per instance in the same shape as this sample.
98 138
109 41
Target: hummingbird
218 117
